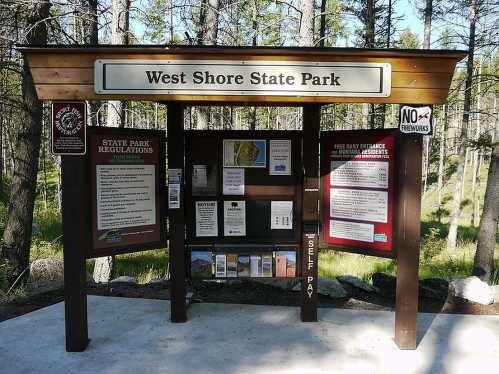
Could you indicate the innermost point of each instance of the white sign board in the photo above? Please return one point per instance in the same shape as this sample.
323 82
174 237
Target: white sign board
235 218
281 215
280 157
242 78
415 119
370 174
206 218
117 189
233 181
364 205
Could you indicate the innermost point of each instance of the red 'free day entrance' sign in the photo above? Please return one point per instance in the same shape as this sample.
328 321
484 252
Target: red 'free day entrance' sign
359 191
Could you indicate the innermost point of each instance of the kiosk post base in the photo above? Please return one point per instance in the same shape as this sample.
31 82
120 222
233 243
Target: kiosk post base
310 214
406 304
76 226
175 139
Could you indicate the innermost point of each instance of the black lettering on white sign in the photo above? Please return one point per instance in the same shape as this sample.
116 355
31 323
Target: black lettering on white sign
416 119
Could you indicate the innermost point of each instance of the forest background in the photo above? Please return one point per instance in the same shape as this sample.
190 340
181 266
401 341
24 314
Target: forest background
460 160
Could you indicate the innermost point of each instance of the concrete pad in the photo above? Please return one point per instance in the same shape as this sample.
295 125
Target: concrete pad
135 336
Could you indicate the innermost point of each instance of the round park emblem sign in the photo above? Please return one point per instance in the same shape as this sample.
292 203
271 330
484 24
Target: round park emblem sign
69 120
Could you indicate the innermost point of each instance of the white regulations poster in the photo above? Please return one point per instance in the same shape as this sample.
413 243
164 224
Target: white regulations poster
233 181
363 232
206 218
126 196
234 218
280 157
281 215
361 205
371 174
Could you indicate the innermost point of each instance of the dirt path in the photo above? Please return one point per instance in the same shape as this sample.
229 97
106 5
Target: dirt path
245 292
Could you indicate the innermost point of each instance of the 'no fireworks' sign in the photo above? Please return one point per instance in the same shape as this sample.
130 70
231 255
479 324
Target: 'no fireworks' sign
416 119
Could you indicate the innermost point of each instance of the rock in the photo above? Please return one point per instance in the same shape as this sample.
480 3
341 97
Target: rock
45 271
3 297
385 283
349 281
156 280
282 283
124 279
495 293
328 287
35 229
434 288
472 289
103 267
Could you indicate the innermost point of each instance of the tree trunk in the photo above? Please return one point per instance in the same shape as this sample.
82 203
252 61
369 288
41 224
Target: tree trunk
307 23
208 22
486 245
116 110
441 160
90 36
428 10
456 200
477 154
322 29
116 114
17 234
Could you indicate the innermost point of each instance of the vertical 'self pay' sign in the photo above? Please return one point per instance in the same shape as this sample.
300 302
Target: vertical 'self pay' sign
416 119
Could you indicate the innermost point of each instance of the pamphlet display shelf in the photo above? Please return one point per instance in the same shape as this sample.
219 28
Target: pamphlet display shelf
243 261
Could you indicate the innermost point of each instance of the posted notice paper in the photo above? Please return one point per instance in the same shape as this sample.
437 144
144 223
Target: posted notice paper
235 218
359 204
126 196
280 157
233 181
371 174
281 215
199 176
363 232
206 218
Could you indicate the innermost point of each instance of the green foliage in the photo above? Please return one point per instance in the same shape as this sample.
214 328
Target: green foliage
408 40
432 246
5 271
144 266
494 276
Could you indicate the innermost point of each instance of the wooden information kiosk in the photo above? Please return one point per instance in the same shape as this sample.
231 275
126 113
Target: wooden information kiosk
246 203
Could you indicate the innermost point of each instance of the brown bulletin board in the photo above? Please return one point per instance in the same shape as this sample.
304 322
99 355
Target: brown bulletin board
368 226
127 176
205 148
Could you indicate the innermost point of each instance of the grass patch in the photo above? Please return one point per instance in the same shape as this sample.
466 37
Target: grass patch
143 266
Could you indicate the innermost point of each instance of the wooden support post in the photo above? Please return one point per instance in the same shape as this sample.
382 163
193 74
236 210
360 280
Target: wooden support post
408 234
310 218
175 139
76 240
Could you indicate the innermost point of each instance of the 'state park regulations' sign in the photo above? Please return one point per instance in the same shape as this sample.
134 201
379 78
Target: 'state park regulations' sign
125 188
242 78
69 121
359 192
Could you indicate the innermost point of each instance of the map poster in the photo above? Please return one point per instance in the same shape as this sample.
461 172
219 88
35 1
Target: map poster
245 153
359 191
125 177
